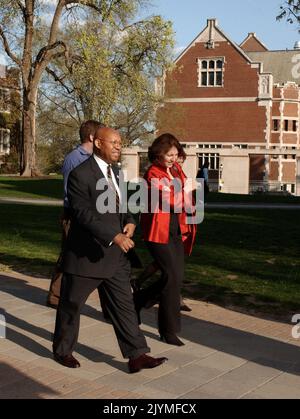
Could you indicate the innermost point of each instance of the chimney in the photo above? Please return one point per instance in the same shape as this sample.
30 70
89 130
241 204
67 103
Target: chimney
211 24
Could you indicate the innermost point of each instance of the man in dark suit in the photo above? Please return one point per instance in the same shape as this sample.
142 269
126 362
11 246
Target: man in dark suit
77 156
97 246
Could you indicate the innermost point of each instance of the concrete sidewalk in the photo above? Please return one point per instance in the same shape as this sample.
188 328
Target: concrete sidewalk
226 354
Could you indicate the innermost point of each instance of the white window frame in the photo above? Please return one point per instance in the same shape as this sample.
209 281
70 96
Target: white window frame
4 141
212 158
215 70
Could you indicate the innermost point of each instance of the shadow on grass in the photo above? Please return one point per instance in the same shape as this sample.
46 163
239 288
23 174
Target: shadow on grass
46 187
252 199
251 230
253 304
35 267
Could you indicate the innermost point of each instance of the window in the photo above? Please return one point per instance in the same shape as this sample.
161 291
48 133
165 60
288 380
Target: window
210 72
276 124
295 126
4 100
4 140
288 187
286 125
213 159
240 146
209 145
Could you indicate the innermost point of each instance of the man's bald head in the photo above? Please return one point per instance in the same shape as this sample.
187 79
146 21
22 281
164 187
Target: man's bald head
108 144
105 132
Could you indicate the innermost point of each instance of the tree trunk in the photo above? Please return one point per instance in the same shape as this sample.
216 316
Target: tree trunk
28 153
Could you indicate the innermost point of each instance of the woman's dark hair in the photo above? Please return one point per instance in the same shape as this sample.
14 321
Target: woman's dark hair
161 146
182 153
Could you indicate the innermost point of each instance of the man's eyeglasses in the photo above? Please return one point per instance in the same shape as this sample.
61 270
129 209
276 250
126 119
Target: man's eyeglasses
113 143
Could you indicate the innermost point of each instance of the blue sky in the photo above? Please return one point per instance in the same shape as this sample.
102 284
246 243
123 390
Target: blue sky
235 17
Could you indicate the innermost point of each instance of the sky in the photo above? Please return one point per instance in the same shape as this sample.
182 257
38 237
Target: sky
236 18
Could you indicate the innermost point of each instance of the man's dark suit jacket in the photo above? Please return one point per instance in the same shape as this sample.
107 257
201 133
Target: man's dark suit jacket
88 252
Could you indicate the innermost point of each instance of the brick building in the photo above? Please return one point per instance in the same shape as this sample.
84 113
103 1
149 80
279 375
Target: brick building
224 99
9 116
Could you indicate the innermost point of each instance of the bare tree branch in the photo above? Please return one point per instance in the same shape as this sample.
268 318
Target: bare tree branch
21 7
92 6
7 48
290 10
41 56
59 80
64 108
133 25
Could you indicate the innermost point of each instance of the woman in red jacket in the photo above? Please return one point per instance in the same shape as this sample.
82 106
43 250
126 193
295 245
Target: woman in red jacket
166 232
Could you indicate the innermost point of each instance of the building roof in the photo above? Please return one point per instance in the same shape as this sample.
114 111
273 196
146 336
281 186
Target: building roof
212 33
284 65
253 43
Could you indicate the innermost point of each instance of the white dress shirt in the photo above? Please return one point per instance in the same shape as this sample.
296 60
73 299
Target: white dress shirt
103 167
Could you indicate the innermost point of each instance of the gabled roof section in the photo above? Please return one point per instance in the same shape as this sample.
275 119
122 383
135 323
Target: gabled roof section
210 35
284 65
252 43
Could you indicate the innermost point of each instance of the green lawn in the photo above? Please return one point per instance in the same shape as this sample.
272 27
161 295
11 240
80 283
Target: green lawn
29 237
243 258
39 188
249 258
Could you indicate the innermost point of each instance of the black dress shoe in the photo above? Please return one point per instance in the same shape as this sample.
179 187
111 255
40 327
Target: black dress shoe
144 361
184 307
67 361
171 339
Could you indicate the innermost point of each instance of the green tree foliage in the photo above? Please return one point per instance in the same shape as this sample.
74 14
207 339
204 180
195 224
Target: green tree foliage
111 73
35 33
57 135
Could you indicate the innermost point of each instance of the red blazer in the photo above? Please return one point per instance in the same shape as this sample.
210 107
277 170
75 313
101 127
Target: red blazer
155 224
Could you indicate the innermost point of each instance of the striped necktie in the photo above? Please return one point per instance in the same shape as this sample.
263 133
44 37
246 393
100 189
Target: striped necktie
111 185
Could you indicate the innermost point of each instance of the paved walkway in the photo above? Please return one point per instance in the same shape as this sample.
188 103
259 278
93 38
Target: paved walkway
214 205
31 201
226 354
